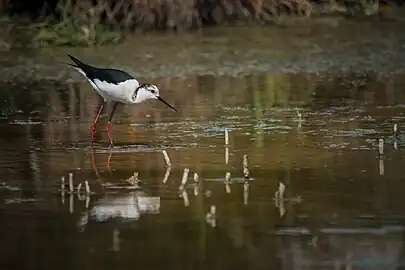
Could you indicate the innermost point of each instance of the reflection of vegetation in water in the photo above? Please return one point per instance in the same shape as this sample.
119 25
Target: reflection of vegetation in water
20 98
254 92
268 91
200 209
250 104
262 91
278 89
258 109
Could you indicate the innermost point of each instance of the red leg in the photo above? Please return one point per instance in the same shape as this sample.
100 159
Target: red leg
107 128
93 127
93 162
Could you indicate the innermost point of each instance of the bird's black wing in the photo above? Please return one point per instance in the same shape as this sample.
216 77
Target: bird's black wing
109 75
114 76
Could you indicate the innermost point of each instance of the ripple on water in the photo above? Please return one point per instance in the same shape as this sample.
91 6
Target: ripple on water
356 132
21 200
5 187
26 122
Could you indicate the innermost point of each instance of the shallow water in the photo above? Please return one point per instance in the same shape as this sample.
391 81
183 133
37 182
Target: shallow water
342 206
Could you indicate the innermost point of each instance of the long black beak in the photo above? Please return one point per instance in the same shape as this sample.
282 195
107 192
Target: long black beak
161 99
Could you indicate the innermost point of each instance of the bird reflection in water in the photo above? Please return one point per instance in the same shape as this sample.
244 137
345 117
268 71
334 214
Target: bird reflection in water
93 163
123 204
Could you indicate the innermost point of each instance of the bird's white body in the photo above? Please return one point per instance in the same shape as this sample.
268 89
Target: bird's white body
122 92
126 206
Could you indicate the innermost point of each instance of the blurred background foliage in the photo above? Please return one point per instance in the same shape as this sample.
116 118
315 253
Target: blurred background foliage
90 22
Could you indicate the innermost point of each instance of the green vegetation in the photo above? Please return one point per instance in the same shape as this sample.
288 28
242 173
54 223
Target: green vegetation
86 23
77 27
67 32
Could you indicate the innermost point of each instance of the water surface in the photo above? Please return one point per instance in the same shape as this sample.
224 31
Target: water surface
342 206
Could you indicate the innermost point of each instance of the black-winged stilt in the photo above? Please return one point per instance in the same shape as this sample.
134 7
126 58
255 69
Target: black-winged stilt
115 86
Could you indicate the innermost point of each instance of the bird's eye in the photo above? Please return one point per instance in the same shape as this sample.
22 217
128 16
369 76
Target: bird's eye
153 91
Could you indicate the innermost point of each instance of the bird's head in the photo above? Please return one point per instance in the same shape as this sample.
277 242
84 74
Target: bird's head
148 91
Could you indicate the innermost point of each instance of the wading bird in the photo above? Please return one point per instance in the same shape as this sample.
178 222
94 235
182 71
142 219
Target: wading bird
115 86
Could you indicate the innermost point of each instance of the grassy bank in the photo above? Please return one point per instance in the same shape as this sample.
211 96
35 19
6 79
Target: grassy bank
84 23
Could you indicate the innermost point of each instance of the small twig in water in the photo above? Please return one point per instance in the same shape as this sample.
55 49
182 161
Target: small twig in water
211 216
279 198
184 178
87 202
226 137
381 166
395 136
245 166
196 190
62 186
226 155
71 203
227 182
86 183
167 175
245 192
299 115
280 192
185 198
79 187
167 159
281 208
227 177
71 187
62 183
381 147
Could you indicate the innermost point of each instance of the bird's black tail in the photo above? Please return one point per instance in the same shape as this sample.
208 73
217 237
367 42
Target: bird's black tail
79 63
82 67
69 64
